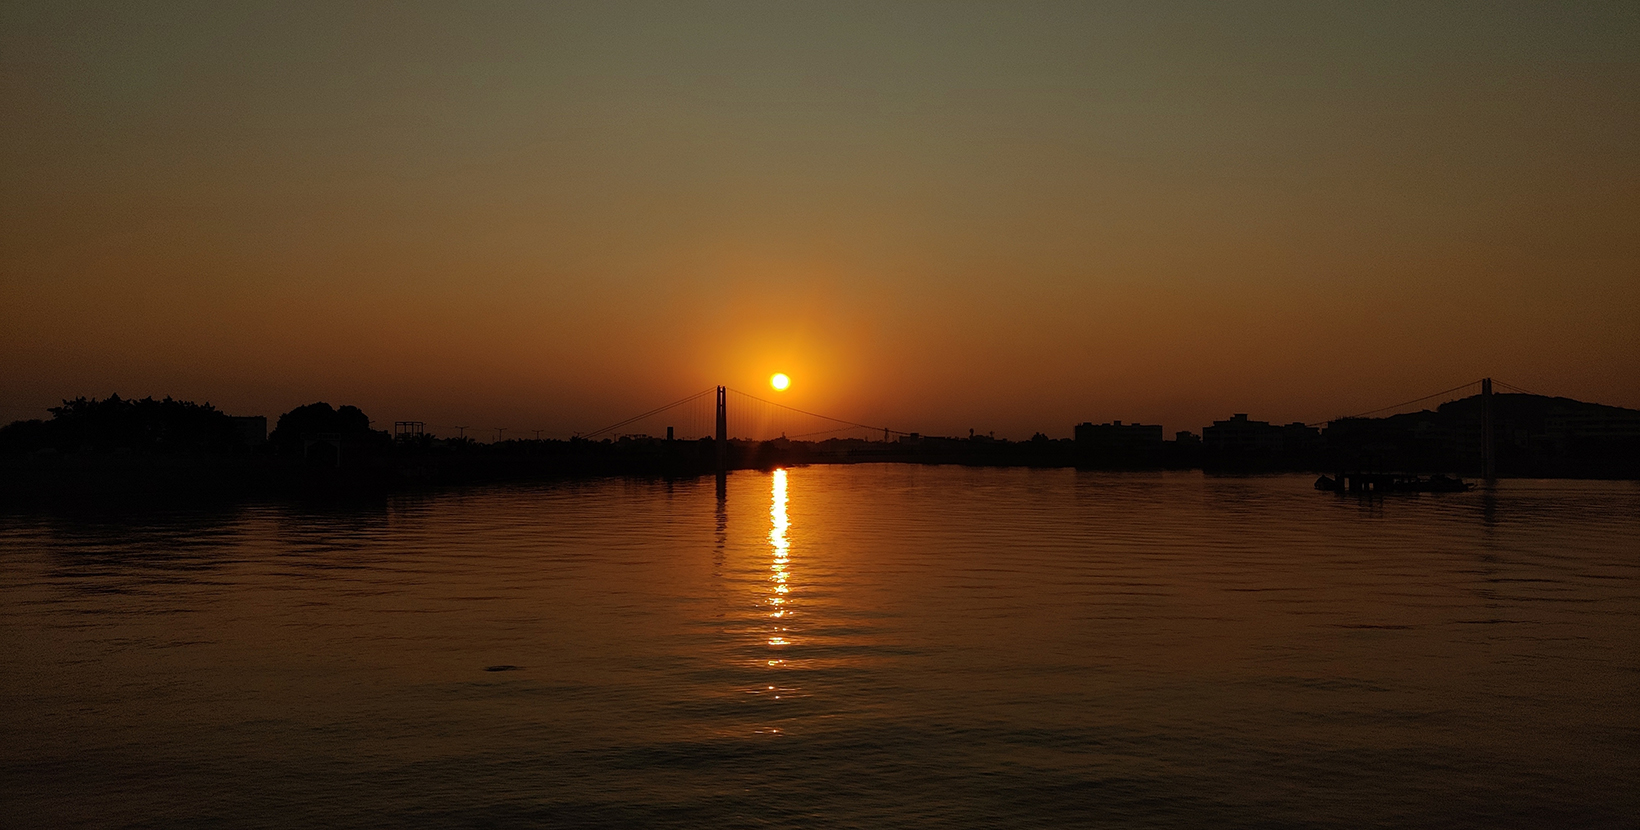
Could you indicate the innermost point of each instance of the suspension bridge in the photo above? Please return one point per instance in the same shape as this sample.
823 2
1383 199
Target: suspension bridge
723 412
1482 386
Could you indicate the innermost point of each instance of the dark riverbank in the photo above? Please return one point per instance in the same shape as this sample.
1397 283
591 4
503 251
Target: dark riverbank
370 465
373 466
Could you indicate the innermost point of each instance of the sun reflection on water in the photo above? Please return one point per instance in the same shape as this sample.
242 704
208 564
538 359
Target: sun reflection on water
782 557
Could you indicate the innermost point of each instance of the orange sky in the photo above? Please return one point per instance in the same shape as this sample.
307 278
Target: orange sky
942 216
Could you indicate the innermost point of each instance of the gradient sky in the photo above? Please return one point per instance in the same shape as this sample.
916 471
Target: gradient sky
1004 216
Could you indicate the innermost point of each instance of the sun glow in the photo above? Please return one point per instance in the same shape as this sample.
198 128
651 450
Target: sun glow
780 381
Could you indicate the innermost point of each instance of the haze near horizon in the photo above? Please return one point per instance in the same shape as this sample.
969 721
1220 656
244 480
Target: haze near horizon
937 217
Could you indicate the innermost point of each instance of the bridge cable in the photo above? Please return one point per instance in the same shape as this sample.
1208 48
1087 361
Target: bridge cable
816 414
655 411
1513 388
803 435
1399 405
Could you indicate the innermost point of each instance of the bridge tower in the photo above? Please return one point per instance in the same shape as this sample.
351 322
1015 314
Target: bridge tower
1489 462
722 442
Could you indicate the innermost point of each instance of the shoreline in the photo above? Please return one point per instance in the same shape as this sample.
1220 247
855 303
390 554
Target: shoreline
143 479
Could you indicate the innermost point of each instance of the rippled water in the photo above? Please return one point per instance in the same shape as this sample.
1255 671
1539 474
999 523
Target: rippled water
867 646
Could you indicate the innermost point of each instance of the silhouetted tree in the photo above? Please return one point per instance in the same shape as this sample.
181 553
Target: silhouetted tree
316 419
114 423
22 437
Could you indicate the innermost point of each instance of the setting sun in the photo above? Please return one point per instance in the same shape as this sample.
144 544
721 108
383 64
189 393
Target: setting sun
780 381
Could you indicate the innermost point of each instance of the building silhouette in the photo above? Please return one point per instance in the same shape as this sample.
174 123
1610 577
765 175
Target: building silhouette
1117 435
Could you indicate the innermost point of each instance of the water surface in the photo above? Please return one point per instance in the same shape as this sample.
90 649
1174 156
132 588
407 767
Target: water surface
866 646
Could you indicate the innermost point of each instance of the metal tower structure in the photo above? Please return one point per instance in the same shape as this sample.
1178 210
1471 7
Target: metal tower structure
1489 461
722 442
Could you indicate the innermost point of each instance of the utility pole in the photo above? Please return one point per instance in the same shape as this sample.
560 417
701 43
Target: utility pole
1489 461
461 432
498 431
538 433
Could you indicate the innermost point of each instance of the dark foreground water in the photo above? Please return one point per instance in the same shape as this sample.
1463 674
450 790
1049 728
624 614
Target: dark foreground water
874 646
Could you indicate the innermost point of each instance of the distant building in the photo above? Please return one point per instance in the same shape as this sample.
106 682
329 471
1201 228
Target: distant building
1239 435
1301 437
1117 435
1245 437
1185 436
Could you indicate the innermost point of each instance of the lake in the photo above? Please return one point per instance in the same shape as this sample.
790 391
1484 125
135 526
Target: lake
832 646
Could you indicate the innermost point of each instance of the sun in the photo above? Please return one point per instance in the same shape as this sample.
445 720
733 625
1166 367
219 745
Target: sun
780 381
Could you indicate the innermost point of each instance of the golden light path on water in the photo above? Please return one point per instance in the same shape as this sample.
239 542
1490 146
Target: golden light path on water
782 557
